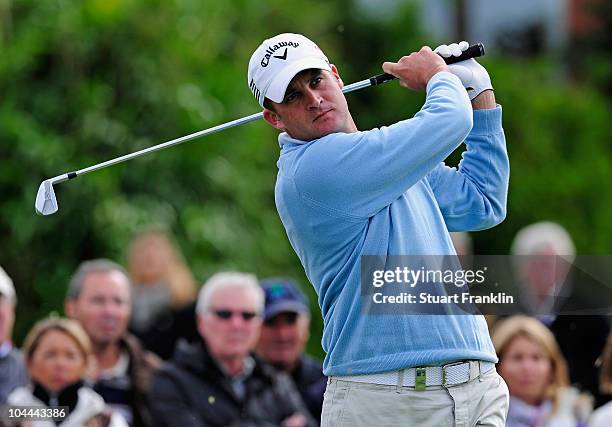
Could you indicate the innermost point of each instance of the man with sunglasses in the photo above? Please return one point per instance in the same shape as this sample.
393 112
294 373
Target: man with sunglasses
218 381
284 335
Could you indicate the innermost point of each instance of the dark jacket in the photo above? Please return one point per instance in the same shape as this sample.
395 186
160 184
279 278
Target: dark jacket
143 365
582 340
311 383
191 390
581 337
169 326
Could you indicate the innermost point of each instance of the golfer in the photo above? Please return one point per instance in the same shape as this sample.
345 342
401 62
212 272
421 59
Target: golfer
343 193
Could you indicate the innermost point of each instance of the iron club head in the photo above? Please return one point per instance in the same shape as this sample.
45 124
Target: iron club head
46 203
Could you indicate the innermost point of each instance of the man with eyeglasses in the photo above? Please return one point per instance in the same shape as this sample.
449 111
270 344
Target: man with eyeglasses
284 334
218 381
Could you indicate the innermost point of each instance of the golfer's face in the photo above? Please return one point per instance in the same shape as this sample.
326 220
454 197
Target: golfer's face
314 106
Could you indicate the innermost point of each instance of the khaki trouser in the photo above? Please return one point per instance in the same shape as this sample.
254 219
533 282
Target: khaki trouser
480 402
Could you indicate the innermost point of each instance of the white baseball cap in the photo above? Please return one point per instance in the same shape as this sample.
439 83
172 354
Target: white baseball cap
6 286
277 60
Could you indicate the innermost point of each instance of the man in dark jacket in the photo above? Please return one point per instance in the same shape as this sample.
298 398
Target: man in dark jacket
217 381
99 299
284 334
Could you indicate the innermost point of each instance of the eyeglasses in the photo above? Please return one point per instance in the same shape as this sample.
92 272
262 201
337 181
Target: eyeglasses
228 314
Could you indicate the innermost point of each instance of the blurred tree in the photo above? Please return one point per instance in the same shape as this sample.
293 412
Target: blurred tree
82 82
590 50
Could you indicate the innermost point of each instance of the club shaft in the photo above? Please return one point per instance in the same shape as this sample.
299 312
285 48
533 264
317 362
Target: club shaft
176 141
357 85
472 52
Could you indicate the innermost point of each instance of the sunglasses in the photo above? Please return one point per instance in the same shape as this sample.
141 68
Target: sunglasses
228 314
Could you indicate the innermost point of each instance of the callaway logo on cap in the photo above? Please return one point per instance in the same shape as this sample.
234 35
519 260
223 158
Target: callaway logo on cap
277 60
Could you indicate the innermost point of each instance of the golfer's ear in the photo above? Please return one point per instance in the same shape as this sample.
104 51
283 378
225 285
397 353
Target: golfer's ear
273 118
336 74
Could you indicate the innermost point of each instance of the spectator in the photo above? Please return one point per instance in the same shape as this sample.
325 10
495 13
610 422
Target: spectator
602 417
545 291
536 373
163 308
284 334
217 381
462 241
99 299
12 369
57 353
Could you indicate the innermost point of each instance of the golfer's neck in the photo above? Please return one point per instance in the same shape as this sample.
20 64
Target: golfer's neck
352 127
349 125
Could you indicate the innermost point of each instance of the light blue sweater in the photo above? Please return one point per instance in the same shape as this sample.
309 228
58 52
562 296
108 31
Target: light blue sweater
387 192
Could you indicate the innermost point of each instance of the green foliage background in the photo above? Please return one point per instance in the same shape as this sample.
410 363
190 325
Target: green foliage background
86 81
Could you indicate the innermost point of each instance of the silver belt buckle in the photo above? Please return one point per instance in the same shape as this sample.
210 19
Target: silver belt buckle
448 365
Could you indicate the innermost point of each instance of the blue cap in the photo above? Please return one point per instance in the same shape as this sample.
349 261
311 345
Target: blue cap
283 295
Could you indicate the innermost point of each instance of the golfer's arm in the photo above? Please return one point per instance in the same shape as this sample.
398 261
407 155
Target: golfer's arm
484 101
474 196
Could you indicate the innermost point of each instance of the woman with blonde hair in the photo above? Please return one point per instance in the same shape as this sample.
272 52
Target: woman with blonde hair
58 353
536 374
163 288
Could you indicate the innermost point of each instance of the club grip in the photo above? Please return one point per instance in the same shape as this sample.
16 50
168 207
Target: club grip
474 51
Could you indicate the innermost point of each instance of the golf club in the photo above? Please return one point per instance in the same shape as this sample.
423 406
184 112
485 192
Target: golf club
46 202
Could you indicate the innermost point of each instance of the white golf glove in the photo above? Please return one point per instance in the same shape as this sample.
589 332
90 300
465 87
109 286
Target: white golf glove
474 76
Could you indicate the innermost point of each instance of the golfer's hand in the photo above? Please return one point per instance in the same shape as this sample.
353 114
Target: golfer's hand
415 70
474 76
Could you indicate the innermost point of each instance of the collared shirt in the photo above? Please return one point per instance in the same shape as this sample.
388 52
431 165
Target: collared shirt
238 381
114 385
12 370
5 349
119 369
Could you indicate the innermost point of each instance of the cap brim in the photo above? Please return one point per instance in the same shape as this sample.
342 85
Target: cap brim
284 307
278 86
